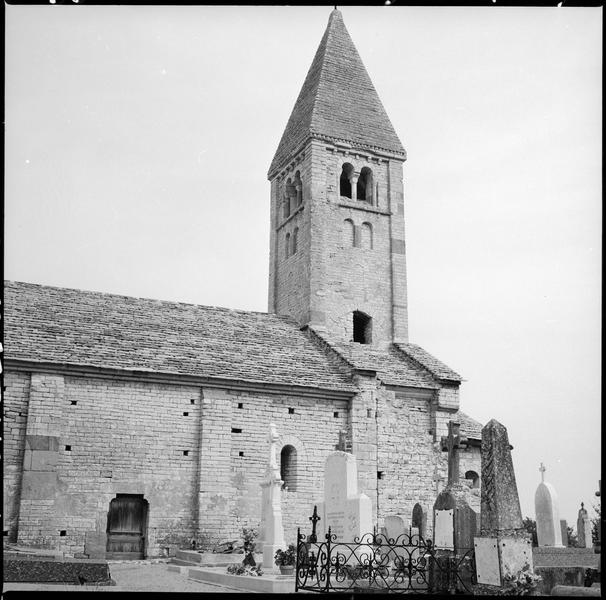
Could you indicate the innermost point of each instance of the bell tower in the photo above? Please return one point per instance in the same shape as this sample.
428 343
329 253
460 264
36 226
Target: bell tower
337 249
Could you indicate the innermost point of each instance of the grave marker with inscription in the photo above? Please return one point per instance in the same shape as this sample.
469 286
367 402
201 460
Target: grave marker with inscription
501 517
344 510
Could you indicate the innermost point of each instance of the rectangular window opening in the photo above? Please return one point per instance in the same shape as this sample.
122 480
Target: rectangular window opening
379 474
186 414
240 453
240 405
74 402
291 411
192 401
68 448
63 533
335 415
236 430
185 452
5 533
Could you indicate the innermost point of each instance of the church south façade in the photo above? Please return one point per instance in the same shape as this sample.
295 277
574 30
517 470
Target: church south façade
133 426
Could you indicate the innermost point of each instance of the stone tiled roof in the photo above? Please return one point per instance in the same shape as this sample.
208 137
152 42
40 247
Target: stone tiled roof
67 326
470 427
337 101
431 363
392 367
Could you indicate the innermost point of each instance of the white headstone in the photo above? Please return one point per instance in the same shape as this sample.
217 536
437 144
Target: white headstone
347 513
549 531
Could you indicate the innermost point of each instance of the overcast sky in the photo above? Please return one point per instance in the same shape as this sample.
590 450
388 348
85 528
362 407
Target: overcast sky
138 141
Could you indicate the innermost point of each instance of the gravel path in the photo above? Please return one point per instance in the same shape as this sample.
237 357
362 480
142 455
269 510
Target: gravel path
133 576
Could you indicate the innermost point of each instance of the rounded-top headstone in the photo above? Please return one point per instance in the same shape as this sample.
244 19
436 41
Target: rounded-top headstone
549 531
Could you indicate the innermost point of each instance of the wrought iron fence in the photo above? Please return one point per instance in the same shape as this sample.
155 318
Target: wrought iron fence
376 563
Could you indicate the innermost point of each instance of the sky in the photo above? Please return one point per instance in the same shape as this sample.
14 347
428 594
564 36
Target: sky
138 141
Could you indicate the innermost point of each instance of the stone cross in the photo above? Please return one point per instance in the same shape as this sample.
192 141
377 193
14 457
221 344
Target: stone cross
313 538
542 469
452 444
272 467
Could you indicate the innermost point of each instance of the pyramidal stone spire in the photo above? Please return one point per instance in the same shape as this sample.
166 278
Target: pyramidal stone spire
337 102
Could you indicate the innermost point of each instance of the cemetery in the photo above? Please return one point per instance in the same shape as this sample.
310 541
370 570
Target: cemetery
415 497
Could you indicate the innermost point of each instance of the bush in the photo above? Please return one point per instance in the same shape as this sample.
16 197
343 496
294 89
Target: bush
285 558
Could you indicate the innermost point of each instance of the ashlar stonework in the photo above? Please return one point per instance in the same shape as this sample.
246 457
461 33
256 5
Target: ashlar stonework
132 402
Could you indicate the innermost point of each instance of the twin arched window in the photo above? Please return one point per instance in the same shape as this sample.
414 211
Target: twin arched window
357 186
293 195
355 236
291 243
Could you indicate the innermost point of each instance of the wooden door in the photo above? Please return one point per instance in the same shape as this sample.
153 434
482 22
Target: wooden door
126 527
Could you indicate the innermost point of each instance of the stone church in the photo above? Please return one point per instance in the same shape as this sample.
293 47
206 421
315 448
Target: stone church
135 425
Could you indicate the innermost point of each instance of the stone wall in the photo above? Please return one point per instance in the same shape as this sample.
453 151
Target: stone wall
329 278
197 456
412 464
16 396
230 497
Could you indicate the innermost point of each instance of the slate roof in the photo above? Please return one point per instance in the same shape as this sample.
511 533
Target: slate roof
337 101
67 326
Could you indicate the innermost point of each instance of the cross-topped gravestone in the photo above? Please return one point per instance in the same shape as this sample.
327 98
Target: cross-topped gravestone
584 528
272 531
313 538
452 443
549 530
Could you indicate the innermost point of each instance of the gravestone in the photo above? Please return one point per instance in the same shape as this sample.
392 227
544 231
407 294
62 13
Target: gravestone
500 516
455 522
419 520
271 530
549 532
399 530
395 526
344 510
564 531
584 528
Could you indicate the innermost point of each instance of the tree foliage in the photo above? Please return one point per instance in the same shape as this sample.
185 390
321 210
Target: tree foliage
530 525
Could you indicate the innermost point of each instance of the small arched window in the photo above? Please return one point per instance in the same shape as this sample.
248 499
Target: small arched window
362 327
474 478
298 184
367 236
348 233
345 180
288 467
364 186
293 241
287 246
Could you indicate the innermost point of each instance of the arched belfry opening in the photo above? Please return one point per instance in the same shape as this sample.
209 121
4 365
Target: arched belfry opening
364 185
288 467
362 328
345 180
